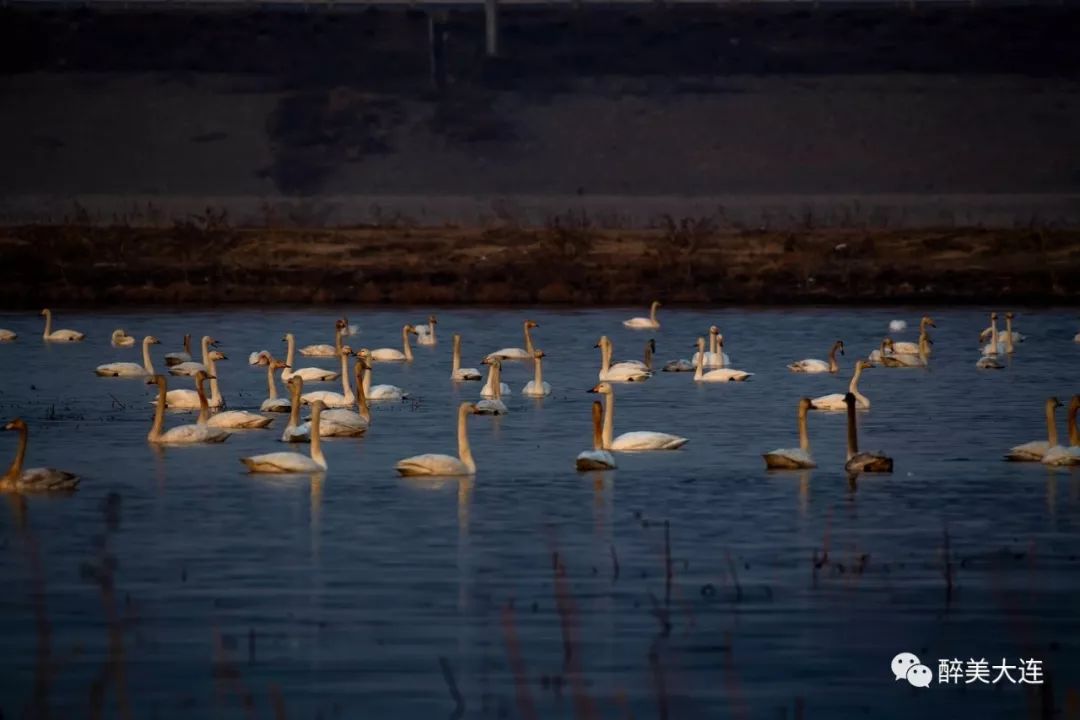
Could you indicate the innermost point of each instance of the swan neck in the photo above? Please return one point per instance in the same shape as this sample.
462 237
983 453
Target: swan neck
337 340
528 340
464 451
48 323
361 395
290 354
159 413
804 436
457 355
14 472
346 387
316 439
699 361
648 357
652 313
833 367
853 386
294 405
609 420
852 433
496 381
712 342
148 364
597 427
405 342
205 344
605 355
271 386
539 374
1051 426
1074 434
215 391
204 407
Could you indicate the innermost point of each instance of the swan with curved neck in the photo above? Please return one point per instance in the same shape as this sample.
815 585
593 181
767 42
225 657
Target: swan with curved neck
379 393
637 441
720 374
912 348
631 371
331 399
293 462
512 353
16 479
175 358
812 365
445 465
643 323
392 355
1060 455
894 359
272 403
794 458
295 431
598 458
458 373
425 332
189 399
119 338
189 368
835 401
537 387
324 350
1035 450
130 369
51 335
493 404
348 329
1008 335
346 422
862 462
493 386
308 374
199 432
714 358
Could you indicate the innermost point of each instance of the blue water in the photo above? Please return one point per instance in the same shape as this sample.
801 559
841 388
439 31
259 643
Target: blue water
338 595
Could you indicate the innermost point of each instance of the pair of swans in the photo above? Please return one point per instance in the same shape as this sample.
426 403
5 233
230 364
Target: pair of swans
598 458
326 350
638 441
119 338
493 390
335 422
308 374
1008 335
294 462
645 323
175 358
800 458
272 403
512 353
130 369
425 332
996 347
438 465
458 373
721 374
331 399
378 393
17 479
51 335
189 399
625 371
836 401
812 365
1048 451
188 368
1001 343
888 355
714 358
192 433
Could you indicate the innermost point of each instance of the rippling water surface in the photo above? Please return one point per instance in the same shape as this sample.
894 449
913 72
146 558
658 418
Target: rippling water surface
533 590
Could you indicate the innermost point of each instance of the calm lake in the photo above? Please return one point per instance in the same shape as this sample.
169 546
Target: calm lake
535 591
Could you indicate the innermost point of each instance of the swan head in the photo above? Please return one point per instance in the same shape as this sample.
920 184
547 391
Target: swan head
700 345
493 362
652 344
713 330
601 342
839 345
296 382
806 404
16 424
655 304
993 316
218 355
865 364
346 350
364 353
432 321
410 329
1009 315
530 324
1052 403
539 354
118 333
339 324
45 311
158 380
151 340
603 388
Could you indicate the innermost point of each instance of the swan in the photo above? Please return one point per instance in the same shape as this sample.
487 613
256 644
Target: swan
175 358
598 458
51 335
1007 333
860 462
1060 455
794 458
198 432
492 404
292 462
715 357
392 355
537 387
308 374
379 392
1035 450
819 366
348 330
642 323
640 440
458 373
444 465
330 399
835 401
623 372
912 348
646 364
295 431
15 479
721 374
894 359
189 367
345 422
509 353
239 420
877 355
990 360
997 344
425 332
9 335
897 326
256 358
326 350
189 399
130 369
1076 338
120 338
272 403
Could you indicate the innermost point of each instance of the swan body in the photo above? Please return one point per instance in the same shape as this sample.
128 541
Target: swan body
199 432
308 374
794 458
120 338
130 369
1060 456
342 422
330 399
326 350
444 465
175 358
1035 451
642 440
50 335
425 332
18 479
598 458
622 372
645 323
721 374
989 362
10 335
380 393
819 366
510 353
679 366
189 399
272 403
492 404
1011 335
189 368
239 419
862 462
912 348
458 373
292 462
714 357
537 387
835 401
392 355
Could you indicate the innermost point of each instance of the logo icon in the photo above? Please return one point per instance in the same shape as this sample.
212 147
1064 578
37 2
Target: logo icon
906 666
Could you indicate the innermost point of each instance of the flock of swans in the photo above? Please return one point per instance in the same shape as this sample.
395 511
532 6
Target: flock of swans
347 413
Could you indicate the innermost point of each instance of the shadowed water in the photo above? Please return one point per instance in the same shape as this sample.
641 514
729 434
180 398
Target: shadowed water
339 595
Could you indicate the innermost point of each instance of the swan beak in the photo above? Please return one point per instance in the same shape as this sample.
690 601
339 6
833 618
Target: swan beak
211 377
10 426
592 390
811 406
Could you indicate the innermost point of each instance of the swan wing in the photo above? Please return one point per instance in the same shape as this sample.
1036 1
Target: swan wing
47 480
625 374
330 399
1062 456
387 355
809 366
647 440
188 434
467 374
595 460
281 462
278 405
238 419
431 464
318 350
188 369
1028 452
66 336
509 354
314 374
386 392
121 369
788 459
7 335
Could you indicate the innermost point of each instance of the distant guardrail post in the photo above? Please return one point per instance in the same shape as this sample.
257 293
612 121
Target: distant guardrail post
491 25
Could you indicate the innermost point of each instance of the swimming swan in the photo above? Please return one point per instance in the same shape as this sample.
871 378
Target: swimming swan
379 393
1008 333
189 367
641 440
511 353
860 462
198 432
458 373
51 335
326 350
715 357
345 422
392 355
1059 455
331 399
189 399
598 458
642 323
130 369
1035 450
348 330
444 465
835 401
10 335
820 366
622 372
308 374
537 387
120 338
492 404
272 403
425 332
292 462
175 358
295 431
721 374
16 479
912 348
794 458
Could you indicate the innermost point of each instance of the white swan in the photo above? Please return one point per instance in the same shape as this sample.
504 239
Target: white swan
897 326
721 374
345 422
640 440
511 353
326 350
862 462
819 366
130 369
175 358
239 420
537 387
794 458
1009 333
308 374
189 399
835 401
292 462
51 335
998 344
10 335
379 393
272 403
643 323
1035 450
623 372
183 434
912 348
444 465
189 367
119 338
715 357
492 391
1059 455
458 373
392 355
16 479
646 364
893 359
425 332
990 360
598 458
330 399
348 330
295 431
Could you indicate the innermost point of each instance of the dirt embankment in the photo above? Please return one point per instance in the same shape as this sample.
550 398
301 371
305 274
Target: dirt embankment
689 262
